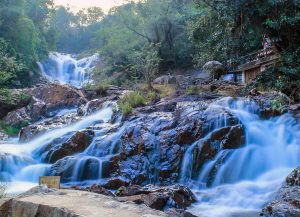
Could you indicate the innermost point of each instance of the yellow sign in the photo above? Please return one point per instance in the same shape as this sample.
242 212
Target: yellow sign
50 181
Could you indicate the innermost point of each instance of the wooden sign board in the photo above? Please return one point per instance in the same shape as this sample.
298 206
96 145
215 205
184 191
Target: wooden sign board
50 181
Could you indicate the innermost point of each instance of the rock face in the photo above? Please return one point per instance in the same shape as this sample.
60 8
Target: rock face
287 200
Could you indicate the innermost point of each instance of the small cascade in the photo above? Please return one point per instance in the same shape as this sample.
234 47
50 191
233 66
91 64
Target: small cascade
66 69
246 177
22 164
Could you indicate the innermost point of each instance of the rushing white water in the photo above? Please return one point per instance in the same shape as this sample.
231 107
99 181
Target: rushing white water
21 164
248 176
241 185
66 69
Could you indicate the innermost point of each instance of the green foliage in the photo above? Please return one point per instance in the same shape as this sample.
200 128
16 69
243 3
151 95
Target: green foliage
278 105
130 101
15 129
23 38
192 90
145 63
9 99
128 34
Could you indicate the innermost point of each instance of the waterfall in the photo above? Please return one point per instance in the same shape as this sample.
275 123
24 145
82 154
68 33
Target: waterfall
66 69
248 176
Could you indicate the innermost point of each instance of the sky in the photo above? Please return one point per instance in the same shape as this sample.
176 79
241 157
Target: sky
78 4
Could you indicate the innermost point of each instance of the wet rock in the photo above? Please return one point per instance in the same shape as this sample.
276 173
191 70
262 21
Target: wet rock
159 197
57 96
35 130
225 138
272 104
99 190
17 117
37 109
95 105
115 183
287 200
76 144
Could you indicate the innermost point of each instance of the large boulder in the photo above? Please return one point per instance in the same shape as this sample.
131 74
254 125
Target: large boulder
76 144
57 96
286 202
214 68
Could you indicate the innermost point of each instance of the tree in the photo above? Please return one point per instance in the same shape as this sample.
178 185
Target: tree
146 63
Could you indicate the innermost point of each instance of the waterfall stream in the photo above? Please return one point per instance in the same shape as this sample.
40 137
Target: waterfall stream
248 176
21 164
66 69
244 179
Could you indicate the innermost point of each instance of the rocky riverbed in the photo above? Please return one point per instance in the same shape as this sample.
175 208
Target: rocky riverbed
170 141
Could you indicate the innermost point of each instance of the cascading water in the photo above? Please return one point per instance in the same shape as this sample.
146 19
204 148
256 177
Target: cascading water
22 164
248 176
240 186
66 69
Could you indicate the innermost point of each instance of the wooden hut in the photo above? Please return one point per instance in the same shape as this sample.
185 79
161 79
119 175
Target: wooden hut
256 63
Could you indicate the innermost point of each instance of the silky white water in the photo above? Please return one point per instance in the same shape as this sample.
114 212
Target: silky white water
248 176
66 69
241 186
21 163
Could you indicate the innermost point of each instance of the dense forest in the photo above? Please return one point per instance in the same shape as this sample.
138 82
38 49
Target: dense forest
170 35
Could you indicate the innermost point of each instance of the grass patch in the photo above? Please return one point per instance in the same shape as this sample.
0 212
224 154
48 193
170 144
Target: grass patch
192 90
165 90
101 88
132 100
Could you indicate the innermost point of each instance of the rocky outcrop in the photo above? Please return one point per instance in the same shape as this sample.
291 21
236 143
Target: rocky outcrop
44 101
150 144
287 200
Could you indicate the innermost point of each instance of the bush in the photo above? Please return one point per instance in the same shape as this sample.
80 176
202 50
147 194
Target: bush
192 90
165 90
131 100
